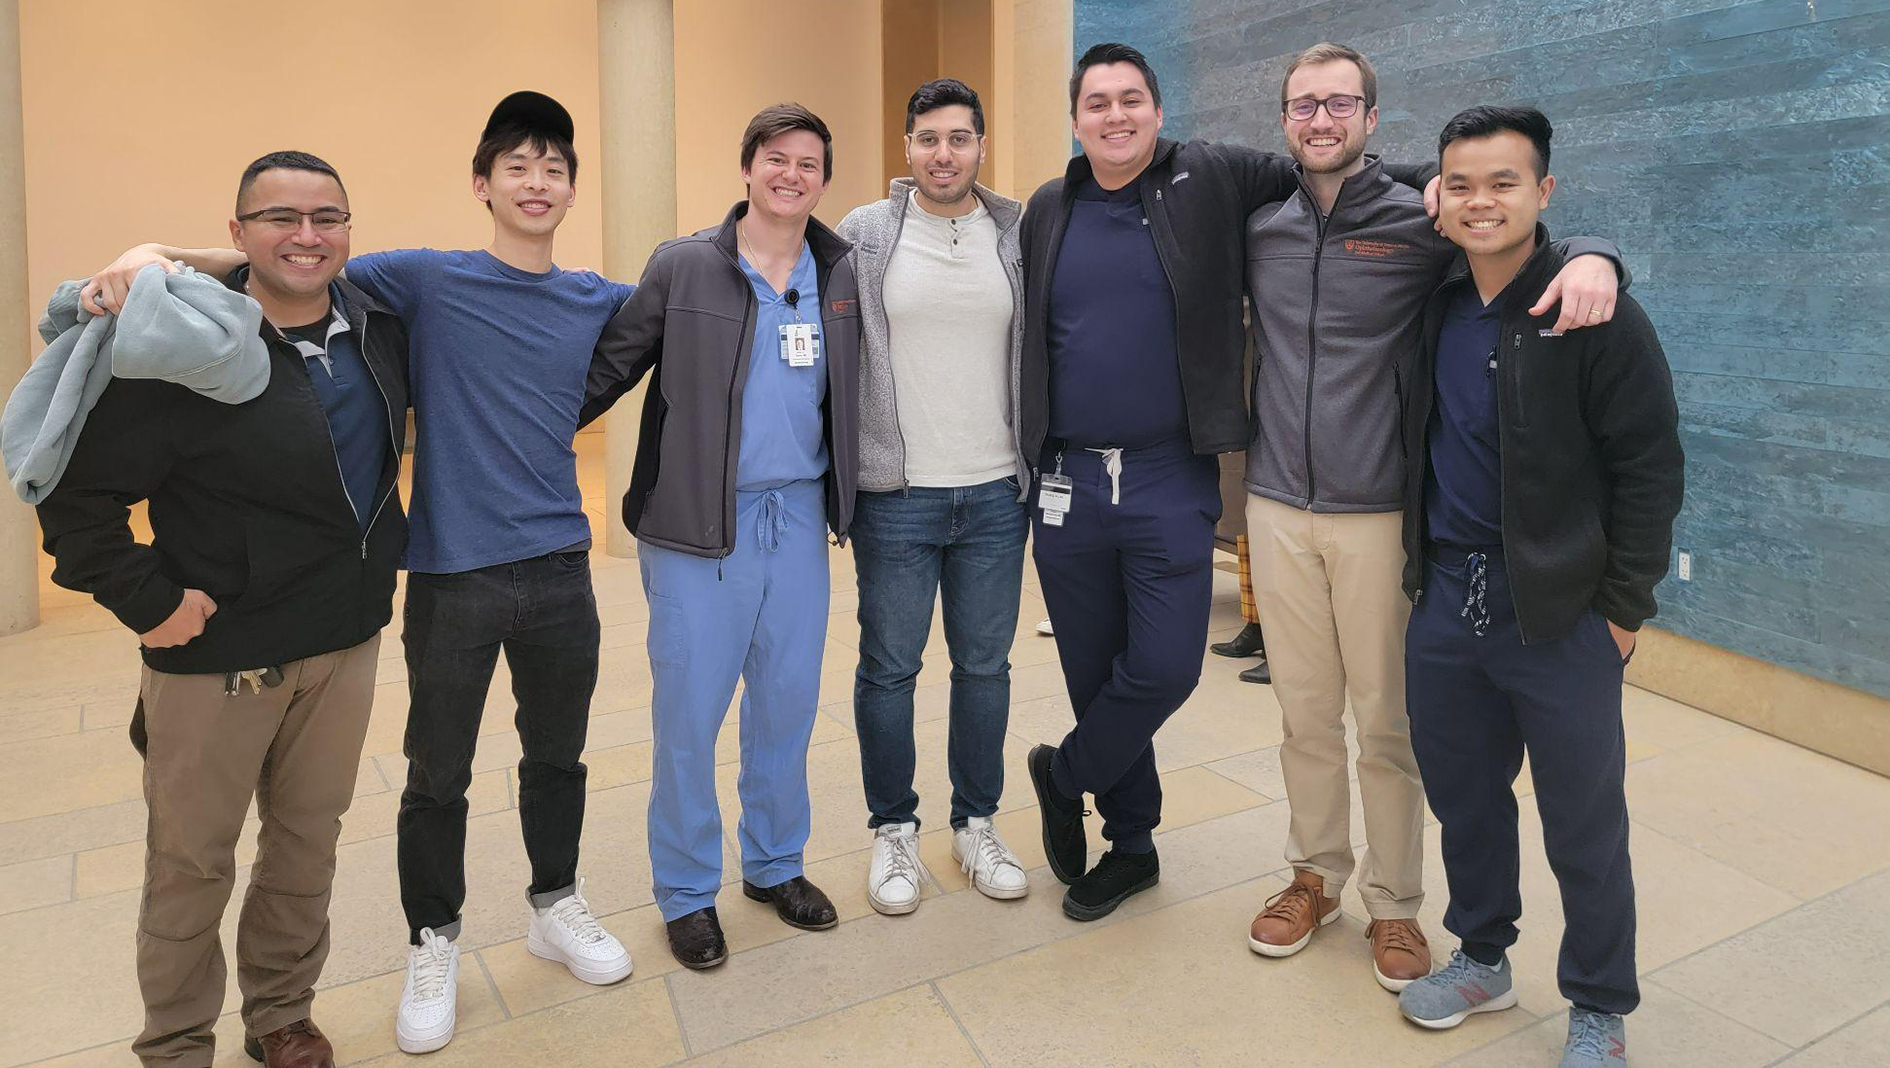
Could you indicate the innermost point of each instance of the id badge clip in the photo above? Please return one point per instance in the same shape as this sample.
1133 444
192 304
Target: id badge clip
800 344
1054 495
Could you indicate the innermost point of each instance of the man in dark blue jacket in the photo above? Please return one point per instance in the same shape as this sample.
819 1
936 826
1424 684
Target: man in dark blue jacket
1539 504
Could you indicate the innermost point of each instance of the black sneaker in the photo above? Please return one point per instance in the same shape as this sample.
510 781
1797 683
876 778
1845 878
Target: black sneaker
1249 642
1259 673
1114 879
1064 842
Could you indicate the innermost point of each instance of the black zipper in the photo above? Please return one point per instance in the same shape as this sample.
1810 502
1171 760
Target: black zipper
1506 369
1174 299
905 486
728 422
395 431
1312 348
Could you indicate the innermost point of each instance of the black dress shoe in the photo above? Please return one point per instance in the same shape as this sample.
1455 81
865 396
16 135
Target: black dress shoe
1064 842
1114 879
696 939
798 902
1248 642
1259 673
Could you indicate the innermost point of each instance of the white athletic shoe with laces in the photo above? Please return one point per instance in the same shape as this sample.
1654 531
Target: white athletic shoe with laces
993 868
566 932
426 1016
893 878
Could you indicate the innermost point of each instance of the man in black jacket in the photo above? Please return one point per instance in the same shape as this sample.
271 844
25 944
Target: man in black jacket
1131 383
750 333
276 532
1545 476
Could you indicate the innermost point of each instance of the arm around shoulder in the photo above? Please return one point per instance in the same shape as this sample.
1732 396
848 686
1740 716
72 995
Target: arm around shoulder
632 341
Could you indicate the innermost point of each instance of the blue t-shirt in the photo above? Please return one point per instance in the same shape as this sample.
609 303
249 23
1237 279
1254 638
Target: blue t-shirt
1463 487
497 359
1115 374
783 439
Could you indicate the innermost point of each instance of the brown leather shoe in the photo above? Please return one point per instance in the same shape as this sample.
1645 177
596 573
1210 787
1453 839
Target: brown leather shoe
299 1045
1400 954
1287 923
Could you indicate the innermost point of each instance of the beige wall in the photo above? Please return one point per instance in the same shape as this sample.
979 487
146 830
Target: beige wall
140 116
735 57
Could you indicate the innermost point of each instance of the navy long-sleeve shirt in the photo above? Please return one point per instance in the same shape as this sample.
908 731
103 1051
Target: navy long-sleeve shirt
1115 375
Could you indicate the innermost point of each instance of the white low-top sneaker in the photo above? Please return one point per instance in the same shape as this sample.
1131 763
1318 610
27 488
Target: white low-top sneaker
993 868
568 933
893 879
425 1020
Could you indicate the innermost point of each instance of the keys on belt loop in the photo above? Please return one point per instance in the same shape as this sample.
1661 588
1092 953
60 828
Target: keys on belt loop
1475 607
256 678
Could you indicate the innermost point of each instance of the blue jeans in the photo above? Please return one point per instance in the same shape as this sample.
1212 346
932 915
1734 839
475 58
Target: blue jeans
969 543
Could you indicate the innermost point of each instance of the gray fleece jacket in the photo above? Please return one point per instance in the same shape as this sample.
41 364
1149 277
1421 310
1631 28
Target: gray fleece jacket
874 231
187 328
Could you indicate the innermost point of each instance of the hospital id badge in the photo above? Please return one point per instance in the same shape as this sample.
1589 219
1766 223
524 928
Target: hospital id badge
800 344
1054 498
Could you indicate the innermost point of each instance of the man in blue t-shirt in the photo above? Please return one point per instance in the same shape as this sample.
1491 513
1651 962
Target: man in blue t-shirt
500 344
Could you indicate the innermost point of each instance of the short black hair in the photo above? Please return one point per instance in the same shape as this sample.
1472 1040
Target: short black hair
943 93
1490 120
284 161
776 119
507 136
1104 54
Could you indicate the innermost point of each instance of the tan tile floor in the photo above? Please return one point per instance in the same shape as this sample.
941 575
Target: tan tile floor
1764 894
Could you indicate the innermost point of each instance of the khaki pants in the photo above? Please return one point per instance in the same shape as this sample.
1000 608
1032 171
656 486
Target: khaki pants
1334 613
296 747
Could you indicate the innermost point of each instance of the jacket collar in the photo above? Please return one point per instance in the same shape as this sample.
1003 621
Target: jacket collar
1534 276
1368 184
1079 168
1004 211
355 304
828 247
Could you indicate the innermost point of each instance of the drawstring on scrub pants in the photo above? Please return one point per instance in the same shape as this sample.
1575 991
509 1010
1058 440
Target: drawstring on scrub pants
771 521
1112 463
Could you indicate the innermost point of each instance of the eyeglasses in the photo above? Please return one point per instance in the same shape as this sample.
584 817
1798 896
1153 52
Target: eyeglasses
327 220
1302 108
959 140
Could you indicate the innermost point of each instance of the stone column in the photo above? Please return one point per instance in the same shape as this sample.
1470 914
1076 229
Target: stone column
636 73
19 533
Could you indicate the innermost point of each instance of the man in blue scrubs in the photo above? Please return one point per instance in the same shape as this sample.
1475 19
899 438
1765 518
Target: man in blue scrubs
750 333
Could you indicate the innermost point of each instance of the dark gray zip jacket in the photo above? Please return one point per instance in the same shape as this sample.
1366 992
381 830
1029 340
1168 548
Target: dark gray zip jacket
1196 195
690 326
1592 470
1337 304
874 231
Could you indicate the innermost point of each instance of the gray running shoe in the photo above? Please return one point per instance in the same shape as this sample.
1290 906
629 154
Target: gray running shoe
1595 1040
1445 999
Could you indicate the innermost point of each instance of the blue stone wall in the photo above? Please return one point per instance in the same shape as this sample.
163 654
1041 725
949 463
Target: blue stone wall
1737 152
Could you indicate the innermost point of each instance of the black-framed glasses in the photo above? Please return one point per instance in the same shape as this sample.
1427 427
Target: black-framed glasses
1341 106
325 220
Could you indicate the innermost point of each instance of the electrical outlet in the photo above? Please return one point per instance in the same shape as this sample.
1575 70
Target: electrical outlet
1685 567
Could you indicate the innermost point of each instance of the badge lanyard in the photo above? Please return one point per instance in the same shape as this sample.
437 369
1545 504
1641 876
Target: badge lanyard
1054 495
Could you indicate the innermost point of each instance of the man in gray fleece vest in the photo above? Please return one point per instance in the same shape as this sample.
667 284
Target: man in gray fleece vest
940 508
1338 276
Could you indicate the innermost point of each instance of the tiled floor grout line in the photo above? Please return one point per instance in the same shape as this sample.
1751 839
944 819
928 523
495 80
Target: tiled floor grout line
1710 1010
1800 1049
1802 904
492 984
675 1010
962 1029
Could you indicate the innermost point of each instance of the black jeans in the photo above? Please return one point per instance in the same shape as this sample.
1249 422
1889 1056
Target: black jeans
543 613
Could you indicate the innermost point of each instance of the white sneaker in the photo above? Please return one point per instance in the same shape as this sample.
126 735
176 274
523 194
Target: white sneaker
425 1020
994 869
568 933
1044 628
894 877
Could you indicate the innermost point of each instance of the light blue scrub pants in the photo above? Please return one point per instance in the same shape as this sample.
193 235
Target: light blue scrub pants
760 615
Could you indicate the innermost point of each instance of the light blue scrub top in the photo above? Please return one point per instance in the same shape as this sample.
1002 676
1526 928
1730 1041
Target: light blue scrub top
782 427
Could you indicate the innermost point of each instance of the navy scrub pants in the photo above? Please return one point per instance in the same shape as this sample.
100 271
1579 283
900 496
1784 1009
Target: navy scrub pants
1477 703
1127 578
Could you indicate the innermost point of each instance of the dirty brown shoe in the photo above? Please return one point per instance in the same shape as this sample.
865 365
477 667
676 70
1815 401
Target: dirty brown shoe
1287 923
1400 955
299 1045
